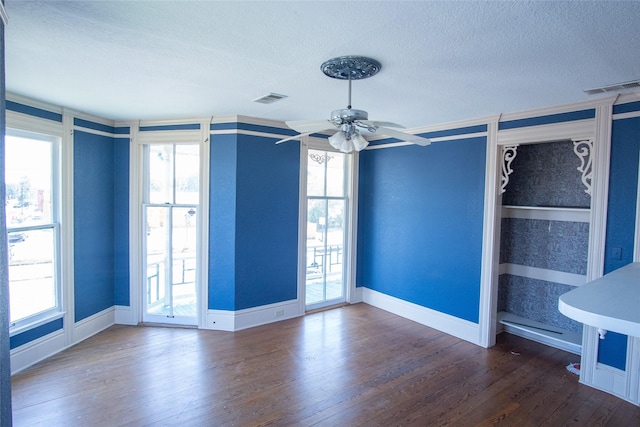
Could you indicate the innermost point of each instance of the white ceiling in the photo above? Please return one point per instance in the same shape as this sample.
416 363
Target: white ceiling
441 61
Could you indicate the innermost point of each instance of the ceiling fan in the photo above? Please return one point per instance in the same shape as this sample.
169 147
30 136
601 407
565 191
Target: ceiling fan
348 120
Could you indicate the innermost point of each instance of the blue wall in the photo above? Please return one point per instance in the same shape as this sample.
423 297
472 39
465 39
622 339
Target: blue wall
267 206
121 220
621 215
93 197
222 222
253 222
420 224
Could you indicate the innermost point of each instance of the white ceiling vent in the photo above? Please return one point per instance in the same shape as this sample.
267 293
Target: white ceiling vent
614 87
269 98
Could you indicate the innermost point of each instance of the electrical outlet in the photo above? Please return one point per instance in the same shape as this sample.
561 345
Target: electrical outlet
279 313
616 253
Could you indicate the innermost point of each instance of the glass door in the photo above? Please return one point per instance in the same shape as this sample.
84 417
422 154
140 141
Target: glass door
170 225
326 233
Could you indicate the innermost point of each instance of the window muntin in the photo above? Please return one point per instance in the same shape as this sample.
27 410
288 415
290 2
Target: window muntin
31 167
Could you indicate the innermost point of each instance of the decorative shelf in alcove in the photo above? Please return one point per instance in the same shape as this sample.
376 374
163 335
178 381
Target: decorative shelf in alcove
541 332
547 213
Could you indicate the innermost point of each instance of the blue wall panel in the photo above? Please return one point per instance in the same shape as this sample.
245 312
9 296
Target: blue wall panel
93 192
35 333
621 214
222 222
420 224
121 221
267 221
626 108
93 125
623 190
545 120
33 111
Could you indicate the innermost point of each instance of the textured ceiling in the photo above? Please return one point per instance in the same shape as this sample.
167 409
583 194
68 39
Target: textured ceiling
441 61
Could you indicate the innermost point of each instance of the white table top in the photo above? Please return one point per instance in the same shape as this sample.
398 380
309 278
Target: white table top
611 302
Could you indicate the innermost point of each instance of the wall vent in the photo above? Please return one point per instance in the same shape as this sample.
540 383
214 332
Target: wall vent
614 87
269 98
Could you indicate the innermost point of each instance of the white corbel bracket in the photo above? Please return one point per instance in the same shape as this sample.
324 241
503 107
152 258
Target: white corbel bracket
583 149
602 333
509 153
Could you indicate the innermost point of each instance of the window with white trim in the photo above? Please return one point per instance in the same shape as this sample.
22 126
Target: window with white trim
33 225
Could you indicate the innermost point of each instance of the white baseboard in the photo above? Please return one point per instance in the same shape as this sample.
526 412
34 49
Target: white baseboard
124 315
220 320
610 380
357 296
34 351
227 320
446 323
39 349
624 384
93 324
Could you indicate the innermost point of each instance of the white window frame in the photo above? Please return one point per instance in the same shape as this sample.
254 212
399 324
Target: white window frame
351 216
61 196
137 187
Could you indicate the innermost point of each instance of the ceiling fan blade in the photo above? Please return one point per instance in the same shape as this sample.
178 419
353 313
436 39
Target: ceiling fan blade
380 124
300 135
403 136
310 126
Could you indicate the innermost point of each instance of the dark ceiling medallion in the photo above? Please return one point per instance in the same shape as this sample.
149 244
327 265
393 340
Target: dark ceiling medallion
356 67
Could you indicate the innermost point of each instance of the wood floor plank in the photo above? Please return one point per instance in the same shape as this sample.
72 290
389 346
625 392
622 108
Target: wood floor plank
356 365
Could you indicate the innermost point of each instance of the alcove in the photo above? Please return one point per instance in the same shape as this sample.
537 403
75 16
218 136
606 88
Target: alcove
544 238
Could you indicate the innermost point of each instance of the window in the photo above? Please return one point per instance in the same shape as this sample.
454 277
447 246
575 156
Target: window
33 227
171 210
326 224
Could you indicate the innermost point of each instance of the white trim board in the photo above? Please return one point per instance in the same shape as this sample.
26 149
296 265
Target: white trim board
547 213
542 333
446 323
578 129
229 320
554 276
39 349
124 315
433 140
98 132
93 324
629 115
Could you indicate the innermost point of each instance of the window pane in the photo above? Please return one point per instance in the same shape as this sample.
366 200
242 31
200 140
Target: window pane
28 181
334 252
161 173
157 246
316 172
335 174
325 174
32 285
187 174
316 246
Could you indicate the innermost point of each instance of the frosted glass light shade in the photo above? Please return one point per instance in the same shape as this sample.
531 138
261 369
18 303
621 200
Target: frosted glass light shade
340 142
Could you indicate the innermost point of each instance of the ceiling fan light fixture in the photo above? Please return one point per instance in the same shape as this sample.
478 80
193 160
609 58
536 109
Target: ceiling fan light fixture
347 143
359 143
339 141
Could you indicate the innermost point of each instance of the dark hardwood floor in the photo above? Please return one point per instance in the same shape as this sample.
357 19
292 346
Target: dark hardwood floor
356 365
